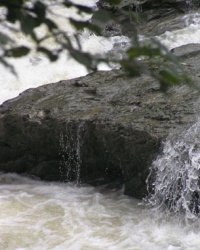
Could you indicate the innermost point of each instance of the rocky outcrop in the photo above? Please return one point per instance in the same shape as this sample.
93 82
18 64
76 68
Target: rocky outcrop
103 128
156 16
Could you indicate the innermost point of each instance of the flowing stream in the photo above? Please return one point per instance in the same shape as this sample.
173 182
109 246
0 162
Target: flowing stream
37 215
50 216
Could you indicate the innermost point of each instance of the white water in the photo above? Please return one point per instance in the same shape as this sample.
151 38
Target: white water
52 216
36 70
189 34
177 170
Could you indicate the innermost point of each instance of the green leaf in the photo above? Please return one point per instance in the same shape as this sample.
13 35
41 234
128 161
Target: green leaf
168 77
133 52
80 25
11 2
40 10
85 9
82 57
50 24
8 65
28 23
146 51
13 15
34 37
81 8
130 67
17 52
52 56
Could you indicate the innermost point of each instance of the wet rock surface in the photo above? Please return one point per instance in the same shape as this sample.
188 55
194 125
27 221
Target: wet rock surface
103 128
156 17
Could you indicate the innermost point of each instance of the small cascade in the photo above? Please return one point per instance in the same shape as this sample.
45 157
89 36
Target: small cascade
78 153
173 182
70 152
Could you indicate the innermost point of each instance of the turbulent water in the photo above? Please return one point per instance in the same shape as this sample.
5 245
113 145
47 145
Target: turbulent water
175 175
36 70
189 34
54 216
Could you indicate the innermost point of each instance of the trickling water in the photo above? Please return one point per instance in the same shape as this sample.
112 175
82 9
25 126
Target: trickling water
78 153
174 179
70 152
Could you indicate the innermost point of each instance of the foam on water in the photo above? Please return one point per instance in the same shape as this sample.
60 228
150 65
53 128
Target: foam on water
189 34
38 216
175 174
36 70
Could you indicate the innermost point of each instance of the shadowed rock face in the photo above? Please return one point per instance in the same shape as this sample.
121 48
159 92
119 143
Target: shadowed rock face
99 129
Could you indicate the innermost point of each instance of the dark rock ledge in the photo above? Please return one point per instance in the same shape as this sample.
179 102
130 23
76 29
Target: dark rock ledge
99 129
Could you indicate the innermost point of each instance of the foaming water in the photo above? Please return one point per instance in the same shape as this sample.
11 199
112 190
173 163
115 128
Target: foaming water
54 216
36 70
189 34
175 175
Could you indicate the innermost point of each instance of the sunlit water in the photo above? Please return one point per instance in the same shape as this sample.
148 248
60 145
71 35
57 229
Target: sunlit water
55 216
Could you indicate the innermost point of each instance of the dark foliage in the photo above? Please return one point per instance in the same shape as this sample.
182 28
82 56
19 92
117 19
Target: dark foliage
140 57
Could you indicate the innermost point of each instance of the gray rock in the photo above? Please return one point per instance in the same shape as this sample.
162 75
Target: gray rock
103 128
157 16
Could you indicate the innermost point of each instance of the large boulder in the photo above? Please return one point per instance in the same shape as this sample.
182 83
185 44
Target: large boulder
104 128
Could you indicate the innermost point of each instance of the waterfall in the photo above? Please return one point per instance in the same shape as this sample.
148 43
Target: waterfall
70 152
173 182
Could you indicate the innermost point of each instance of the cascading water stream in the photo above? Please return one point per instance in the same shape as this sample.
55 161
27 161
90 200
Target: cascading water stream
70 152
174 179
